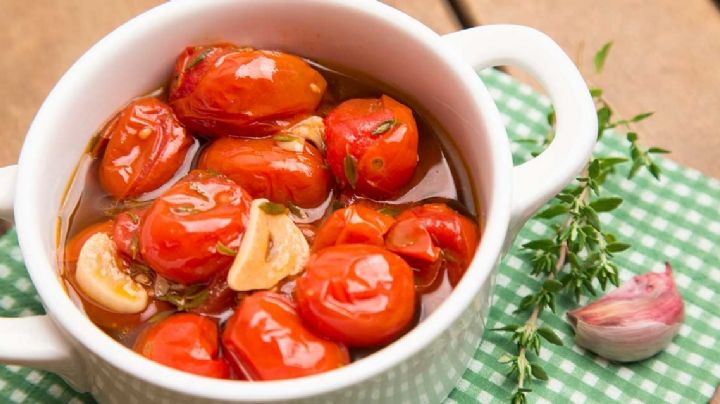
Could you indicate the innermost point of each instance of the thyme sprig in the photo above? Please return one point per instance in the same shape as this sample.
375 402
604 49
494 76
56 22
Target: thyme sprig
578 257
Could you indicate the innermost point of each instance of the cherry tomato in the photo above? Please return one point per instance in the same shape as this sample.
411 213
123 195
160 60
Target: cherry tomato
187 342
372 145
220 296
410 238
241 92
126 232
450 232
268 341
185 229
266 170
355 224
147 145
361 295
192 64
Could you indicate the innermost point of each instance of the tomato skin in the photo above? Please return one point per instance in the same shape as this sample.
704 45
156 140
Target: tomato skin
240 92
358 294
355 224
455 234
220 296
384 162
191 66
126 232
268 341
146 146
187 342
411 239
183 227
266 170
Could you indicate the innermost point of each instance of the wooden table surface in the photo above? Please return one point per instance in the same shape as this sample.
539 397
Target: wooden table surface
666 56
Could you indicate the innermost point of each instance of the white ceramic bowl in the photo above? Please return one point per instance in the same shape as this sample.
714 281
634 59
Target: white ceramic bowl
368 36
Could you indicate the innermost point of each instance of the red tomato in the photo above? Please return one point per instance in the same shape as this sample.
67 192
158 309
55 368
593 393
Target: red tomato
456 235
266 170
240 92
192 64
355 224
183 228
147 145
375 141
358 294
220 296
411 239
126 232
267 340
187 342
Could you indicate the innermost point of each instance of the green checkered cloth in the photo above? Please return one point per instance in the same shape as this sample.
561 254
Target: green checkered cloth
676 219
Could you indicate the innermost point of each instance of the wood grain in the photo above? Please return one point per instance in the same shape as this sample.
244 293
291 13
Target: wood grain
665 58
41 39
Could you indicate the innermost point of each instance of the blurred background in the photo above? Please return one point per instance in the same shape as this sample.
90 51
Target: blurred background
665 58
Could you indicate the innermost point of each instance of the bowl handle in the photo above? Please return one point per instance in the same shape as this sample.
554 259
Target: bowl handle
34 341
539 179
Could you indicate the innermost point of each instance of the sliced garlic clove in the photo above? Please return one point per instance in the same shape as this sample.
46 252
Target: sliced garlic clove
272 248
311 129
100 278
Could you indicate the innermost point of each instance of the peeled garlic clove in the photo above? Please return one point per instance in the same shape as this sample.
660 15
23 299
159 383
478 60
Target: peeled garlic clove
272 248
99 276
311 129
633 322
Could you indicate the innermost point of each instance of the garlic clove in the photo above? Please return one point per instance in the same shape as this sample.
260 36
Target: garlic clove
633 322
99 276
272 248
311 129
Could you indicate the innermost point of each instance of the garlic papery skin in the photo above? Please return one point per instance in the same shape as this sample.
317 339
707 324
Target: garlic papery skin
633 322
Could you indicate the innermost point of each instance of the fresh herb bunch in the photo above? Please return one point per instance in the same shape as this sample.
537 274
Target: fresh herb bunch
579 256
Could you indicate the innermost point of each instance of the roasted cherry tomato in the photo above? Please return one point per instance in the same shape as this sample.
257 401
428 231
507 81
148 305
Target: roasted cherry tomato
219 298
147 145
184 341
185 229
358 294
355 224
266 170
220 91
192 64
426 233
372 145
268 341
411 239
126 232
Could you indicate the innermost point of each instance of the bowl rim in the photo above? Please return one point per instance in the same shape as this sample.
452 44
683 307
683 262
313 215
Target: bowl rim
84 332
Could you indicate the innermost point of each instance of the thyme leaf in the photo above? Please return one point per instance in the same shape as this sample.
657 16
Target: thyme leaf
350 168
